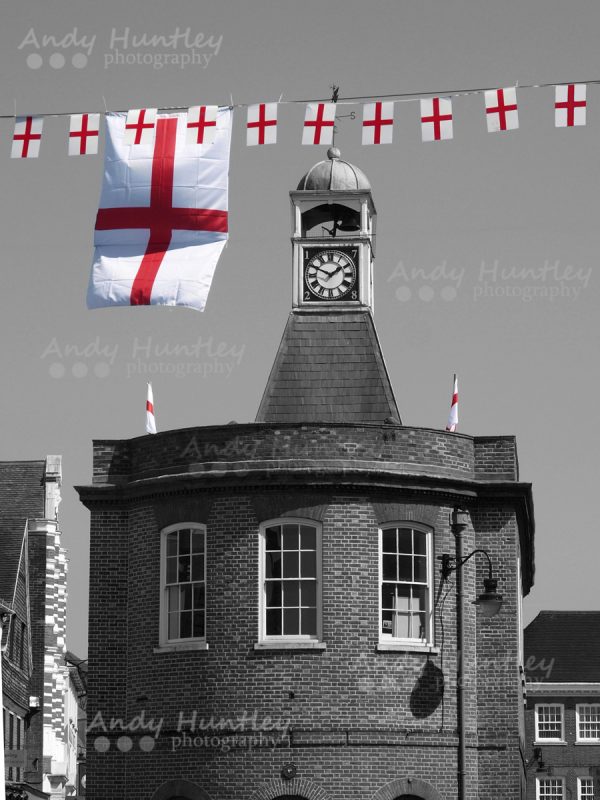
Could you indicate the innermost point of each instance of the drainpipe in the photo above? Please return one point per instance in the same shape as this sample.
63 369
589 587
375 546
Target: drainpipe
459 523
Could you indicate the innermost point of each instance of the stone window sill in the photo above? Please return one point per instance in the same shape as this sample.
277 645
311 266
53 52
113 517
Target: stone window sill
402 647
290 645
545 742
181 647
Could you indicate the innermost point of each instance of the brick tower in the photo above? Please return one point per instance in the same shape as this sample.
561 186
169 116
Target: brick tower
268 618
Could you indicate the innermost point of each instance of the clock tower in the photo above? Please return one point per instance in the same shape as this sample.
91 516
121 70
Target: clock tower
329 367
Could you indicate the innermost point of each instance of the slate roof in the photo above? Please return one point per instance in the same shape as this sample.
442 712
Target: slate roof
22 496
329 368
563 647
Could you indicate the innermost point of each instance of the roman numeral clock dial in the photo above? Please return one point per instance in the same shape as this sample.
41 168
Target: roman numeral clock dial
330 275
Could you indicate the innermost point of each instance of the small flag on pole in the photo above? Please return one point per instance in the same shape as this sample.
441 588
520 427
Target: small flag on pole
452 424
150 419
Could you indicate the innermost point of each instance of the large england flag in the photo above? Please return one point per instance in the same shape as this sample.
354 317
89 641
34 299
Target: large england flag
162 221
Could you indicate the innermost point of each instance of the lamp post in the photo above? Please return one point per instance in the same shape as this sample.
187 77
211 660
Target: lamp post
5 615
489 601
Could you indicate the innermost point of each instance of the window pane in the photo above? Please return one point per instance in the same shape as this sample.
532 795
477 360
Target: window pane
308 537
388 540
273 538
309 564
549 719
273 593
420 563
402 598
273 565
199 599
420 542
290 564
388 593
184 542
418 627
173 598
184 572
550 788
400 629
290 537
199 623
197 542
172 570
291 593
291 621
405 568
405 540
273 622
386 622
173 626
589 721
172 544
309 622
389 568
198 568
419 598
185 624
308 593
185 598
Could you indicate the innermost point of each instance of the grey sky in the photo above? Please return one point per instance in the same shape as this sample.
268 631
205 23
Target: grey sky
481 209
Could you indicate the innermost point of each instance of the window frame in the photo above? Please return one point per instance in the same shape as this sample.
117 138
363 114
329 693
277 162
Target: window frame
164 640
300 639
549 740
384 639
538 782
579 781
578 737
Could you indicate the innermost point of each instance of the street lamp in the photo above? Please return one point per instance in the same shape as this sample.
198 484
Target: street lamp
489 601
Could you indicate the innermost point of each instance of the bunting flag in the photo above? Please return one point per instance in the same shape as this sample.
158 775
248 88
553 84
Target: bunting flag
27 137
452 423
150 418
202 124
140 126
378 123
570 105
319 122
162 221
436 119
84 132
261 125
501 109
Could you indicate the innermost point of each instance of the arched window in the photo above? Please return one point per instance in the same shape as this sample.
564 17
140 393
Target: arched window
406 584
183 584
290 576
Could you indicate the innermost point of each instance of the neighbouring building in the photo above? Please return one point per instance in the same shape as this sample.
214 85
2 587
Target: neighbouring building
562 667
33 585
283 609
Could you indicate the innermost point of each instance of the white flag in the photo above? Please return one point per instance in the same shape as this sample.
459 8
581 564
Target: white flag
162 221
453 416
150 418
84 132
261 127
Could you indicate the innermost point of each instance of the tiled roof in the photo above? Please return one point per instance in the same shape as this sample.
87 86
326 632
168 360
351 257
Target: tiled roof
21 496
563 647
329 368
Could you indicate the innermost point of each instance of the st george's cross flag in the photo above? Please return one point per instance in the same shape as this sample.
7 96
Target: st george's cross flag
319 122
436 119
202 124
452 423
84 132
501 109
570 105
140 126
150 418
27 137
261 125
162 221
378 123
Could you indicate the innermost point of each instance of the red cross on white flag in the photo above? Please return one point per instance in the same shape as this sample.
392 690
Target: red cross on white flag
318 123
202 124
378 123
452 423
261 127
436 119
570 105
84 132
150 418
162 221
27 136
501 109
140 126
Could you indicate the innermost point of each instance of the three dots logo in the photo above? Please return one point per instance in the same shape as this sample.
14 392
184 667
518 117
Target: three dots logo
124 744
441 282
73 49
93 359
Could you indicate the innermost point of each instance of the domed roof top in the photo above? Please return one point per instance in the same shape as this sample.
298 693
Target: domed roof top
334 174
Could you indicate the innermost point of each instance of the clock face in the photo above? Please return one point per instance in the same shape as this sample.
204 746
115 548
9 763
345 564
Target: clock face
330 275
